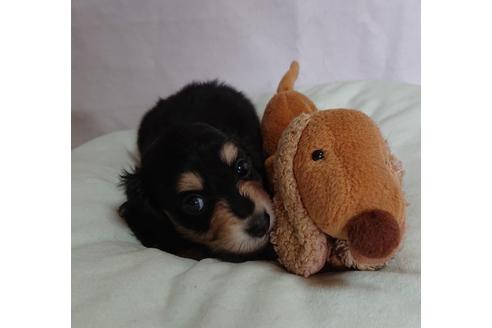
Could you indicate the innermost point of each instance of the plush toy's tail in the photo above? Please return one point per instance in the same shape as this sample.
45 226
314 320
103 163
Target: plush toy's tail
289 79
284 106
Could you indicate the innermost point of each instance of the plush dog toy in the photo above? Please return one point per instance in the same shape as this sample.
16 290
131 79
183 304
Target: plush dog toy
338 196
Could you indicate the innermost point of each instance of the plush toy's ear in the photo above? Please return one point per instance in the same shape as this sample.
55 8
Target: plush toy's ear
269 169
284 106
302 248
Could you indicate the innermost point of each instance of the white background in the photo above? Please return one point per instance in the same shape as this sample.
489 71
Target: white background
126 53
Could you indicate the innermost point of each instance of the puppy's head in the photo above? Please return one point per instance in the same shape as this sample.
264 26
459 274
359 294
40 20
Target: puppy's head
209 187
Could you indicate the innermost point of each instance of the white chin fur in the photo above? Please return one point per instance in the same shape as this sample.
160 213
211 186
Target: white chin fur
240 242
237 241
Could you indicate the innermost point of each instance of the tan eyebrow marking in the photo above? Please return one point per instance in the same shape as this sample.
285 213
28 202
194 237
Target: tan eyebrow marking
228 153
189 181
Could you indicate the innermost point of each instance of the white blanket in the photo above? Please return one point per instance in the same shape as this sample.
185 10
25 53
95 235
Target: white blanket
116 282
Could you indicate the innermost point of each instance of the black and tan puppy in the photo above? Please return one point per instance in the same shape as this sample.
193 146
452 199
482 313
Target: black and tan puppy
198 189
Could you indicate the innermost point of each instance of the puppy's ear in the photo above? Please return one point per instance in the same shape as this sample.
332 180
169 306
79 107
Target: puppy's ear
150 226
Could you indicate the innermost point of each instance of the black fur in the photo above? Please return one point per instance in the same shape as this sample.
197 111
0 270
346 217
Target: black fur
183 133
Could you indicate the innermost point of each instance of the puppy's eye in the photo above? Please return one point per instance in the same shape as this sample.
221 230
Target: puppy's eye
318 154
193 204
242 168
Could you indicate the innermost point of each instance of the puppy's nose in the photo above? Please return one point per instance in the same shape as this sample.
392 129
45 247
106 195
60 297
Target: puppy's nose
259 224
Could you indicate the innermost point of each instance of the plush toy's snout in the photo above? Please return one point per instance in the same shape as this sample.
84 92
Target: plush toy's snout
373 235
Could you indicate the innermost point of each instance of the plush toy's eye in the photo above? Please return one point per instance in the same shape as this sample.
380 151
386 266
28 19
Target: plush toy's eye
242 168
193 204
318 154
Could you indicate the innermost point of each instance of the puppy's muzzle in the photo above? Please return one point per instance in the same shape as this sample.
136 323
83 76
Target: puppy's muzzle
259 225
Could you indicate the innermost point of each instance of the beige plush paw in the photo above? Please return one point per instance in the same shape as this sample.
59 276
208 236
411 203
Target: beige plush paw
341 257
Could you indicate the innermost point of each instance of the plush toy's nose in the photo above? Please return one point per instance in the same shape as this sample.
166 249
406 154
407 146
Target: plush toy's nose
373 234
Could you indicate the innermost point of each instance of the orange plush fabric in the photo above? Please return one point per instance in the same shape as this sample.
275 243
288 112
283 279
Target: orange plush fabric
290 102
338 196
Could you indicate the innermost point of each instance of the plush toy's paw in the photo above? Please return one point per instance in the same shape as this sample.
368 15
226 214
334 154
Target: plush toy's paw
341 258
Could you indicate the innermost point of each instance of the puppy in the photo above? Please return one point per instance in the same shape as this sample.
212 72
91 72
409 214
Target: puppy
198 189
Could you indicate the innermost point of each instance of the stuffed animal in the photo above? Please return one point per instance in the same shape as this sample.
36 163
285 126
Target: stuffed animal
337 187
